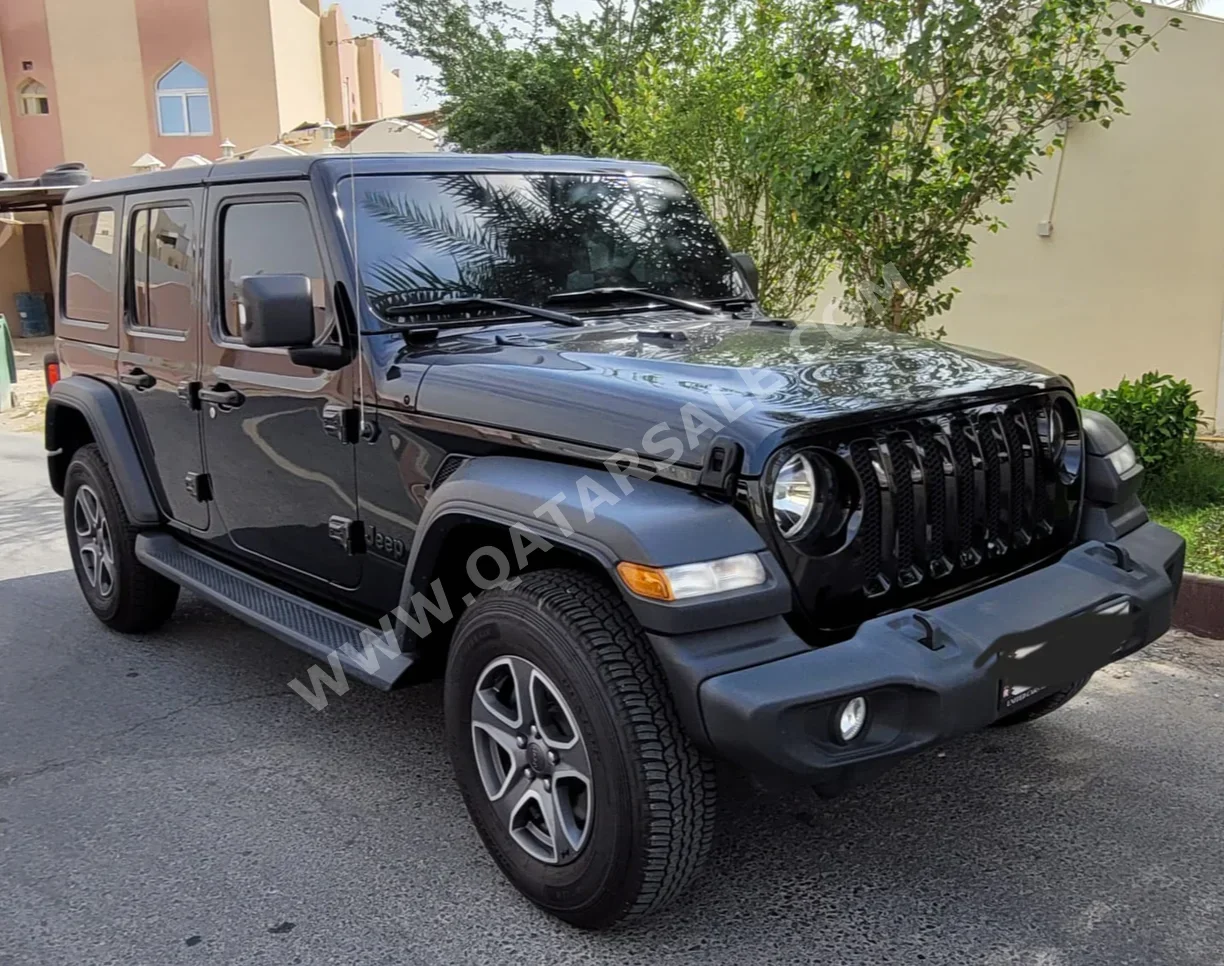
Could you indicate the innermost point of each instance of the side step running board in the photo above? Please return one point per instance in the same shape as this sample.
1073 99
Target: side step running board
314 629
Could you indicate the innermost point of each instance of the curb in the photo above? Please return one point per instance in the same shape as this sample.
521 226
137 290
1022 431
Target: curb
1200 606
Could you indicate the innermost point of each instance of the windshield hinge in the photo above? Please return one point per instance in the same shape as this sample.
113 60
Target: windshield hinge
340 422
722 464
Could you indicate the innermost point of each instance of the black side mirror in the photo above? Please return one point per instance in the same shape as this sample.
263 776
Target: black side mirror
748 268
277 311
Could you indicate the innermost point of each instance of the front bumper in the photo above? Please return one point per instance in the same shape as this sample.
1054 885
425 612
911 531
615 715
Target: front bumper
758 695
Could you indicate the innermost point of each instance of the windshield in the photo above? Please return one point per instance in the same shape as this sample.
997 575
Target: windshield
527 237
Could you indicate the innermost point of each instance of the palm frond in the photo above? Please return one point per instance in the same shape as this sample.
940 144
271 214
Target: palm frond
459 237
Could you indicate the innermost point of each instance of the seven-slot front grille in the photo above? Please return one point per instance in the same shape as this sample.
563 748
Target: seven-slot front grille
943 501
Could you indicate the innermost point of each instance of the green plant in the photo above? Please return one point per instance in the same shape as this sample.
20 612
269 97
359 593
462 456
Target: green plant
724 112
1158 414
944 106
1195 481
515 80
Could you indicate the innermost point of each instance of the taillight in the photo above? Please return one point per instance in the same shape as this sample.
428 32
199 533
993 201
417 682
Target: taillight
51 369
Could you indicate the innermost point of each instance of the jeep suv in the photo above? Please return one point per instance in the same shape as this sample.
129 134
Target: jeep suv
521 420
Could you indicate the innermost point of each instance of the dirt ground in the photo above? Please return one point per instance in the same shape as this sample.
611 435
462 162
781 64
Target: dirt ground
27 415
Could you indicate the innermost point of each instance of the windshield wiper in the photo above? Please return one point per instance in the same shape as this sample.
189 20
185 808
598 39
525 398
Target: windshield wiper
441 305
594 294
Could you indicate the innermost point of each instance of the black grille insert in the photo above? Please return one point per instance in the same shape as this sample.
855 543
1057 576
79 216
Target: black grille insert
948 501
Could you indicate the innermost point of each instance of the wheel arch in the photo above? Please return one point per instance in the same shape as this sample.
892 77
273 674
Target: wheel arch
656 523
83 410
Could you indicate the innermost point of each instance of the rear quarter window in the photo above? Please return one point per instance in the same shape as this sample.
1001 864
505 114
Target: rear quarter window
90 266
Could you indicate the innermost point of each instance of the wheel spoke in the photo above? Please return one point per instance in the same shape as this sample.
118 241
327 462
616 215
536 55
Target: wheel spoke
497 698
87 550
551 714
498 757
106 568
570 798
533 822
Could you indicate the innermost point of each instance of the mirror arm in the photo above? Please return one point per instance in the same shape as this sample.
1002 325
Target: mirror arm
331 357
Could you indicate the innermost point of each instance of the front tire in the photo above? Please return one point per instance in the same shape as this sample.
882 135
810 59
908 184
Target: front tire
572 762
121 591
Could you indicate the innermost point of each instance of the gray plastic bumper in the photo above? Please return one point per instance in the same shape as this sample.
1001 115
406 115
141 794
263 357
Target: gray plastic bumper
927 675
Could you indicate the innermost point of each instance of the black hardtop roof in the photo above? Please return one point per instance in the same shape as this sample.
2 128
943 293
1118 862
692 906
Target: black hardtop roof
276 169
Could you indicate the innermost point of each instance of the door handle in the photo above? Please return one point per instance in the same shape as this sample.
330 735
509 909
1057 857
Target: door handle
139 379
222 396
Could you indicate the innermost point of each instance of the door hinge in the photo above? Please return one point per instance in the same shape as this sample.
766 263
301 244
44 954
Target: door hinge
348 533
199 485
189 392
340 422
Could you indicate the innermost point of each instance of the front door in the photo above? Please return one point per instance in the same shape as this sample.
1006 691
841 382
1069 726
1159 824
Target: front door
279 481
159 346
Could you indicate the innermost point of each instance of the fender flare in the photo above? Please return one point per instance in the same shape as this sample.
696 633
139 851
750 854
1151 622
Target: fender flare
98 404
657 523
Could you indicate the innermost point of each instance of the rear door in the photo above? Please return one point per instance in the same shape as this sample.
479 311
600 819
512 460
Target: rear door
159 344
283 485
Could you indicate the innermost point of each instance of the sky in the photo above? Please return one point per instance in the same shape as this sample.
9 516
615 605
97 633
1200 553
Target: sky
416 98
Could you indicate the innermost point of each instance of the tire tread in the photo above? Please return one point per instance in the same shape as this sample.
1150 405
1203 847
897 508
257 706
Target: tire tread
680 785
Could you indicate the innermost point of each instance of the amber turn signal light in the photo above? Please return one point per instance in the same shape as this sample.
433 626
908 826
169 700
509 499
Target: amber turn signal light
645 581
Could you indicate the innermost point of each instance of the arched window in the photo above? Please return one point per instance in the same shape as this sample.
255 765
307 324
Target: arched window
183 106
32 98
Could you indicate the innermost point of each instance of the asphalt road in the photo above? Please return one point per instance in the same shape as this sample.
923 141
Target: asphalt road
166 799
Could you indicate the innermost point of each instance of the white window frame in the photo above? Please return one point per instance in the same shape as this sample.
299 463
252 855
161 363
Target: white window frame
181 94
34 94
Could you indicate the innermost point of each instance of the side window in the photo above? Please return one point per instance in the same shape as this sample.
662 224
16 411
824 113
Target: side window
268 238
162 263
89 267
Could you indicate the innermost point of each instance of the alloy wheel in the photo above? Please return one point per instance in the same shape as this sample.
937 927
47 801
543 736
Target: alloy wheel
93 537
532 759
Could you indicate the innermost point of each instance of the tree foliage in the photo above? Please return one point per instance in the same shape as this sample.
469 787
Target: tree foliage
512 80
724 112
882 134
946 105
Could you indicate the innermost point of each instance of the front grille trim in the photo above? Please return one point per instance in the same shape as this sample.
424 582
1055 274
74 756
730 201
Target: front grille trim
947 501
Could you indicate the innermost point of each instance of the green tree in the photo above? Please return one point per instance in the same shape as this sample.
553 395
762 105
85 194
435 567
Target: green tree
515 81
724 110
945 106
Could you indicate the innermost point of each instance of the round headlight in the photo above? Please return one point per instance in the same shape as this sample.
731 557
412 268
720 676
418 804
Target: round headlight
794 495
1066 448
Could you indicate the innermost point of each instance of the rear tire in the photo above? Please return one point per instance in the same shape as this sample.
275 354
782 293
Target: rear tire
121 591
1039 709
636 832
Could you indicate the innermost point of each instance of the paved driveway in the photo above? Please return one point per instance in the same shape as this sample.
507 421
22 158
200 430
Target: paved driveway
166 799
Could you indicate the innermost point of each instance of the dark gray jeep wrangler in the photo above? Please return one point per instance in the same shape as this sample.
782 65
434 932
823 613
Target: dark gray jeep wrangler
521 418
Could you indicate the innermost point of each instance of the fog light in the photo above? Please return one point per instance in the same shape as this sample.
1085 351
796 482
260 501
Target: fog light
851 718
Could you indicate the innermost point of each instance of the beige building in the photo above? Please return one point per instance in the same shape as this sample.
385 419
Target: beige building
1112 264
108 81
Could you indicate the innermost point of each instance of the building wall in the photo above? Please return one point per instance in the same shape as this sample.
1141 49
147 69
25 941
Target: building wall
246 94
370 77
341 77
271 65
103 113
170 33
392 94
298 63
1132 277
8 146
24 36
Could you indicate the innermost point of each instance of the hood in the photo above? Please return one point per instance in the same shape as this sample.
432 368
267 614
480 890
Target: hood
611 384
